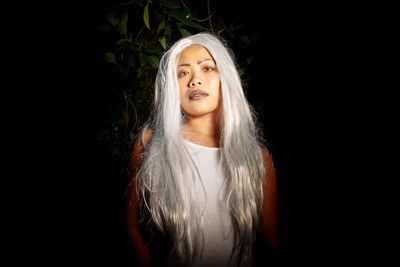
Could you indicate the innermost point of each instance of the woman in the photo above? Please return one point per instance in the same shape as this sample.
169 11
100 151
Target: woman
204 185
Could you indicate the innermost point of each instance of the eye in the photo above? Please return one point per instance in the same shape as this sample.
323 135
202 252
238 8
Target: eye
182 73
208 68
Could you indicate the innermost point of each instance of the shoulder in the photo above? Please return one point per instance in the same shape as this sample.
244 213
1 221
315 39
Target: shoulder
268 161
270 182
270 215
143 139
147 135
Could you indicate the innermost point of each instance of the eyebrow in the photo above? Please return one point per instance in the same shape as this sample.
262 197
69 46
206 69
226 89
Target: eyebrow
198 62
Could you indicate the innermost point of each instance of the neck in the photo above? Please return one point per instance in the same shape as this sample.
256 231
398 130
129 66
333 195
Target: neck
204 130
207 126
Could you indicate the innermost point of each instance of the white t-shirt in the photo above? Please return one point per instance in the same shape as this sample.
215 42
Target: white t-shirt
216 222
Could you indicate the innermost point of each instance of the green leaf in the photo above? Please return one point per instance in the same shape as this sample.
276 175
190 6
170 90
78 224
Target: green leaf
163 42
167 30
153 60
161 26
113 18
110 57
178 15
195 25
122 26
174 4
184 32
249 60
245 39
187 20
187 14
153 49
146 16
133 47
123 42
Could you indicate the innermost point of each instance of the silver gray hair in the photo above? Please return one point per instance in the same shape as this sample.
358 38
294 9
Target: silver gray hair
160 179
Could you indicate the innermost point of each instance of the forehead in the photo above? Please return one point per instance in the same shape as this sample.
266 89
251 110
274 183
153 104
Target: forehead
194 52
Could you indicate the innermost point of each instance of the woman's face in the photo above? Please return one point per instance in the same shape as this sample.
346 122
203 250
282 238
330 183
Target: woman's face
199 82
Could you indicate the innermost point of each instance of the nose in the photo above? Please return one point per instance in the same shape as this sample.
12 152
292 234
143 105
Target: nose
195 81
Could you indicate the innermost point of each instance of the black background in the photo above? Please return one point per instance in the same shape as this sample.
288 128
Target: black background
310 66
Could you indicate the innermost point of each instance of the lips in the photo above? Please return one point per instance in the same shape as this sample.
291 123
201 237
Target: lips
197 94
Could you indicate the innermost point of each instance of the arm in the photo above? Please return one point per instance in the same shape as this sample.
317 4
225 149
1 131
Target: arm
138 244
269 219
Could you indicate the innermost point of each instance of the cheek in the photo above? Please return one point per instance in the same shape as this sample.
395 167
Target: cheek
182 87
182 93
215 84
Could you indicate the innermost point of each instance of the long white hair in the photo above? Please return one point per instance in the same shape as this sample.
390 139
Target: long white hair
163 191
